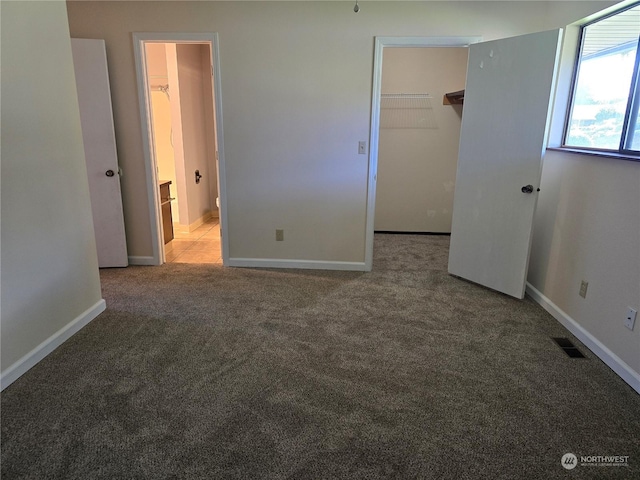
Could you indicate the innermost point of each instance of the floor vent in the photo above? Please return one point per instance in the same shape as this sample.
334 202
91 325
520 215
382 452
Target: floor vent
569 348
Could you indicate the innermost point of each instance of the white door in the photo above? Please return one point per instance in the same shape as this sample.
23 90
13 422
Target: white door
503 136
96 115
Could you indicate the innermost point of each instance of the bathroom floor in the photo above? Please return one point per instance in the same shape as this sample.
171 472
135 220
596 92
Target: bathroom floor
200 246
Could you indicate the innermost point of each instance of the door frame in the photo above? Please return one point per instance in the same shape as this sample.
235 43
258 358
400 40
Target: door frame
153 194
380 44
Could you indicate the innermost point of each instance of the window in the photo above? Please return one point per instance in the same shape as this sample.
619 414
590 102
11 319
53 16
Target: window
606 90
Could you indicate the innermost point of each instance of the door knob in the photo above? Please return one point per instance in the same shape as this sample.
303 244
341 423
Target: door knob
527 189
109 173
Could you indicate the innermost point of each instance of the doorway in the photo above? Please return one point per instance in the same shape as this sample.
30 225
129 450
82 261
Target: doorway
418 139
179 85
425 102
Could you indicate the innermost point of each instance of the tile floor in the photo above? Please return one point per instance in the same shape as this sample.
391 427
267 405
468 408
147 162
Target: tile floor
200 246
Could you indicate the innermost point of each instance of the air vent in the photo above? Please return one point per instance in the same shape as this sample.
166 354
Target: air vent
569 348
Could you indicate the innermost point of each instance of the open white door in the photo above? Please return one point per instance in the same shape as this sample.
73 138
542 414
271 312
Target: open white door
96 115
507 107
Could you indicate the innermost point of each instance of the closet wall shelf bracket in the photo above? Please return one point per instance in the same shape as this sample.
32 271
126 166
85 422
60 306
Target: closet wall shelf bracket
453 98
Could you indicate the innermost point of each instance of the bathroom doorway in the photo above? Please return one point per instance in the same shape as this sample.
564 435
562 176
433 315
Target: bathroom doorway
183 127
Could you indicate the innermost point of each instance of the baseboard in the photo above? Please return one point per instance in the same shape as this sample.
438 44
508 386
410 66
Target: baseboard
303 264
394 232
614 362
20 367
193 226
142 261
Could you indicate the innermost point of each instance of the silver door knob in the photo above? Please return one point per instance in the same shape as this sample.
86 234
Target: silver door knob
527 189
109 173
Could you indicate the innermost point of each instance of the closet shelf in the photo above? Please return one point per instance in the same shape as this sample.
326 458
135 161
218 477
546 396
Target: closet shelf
453 98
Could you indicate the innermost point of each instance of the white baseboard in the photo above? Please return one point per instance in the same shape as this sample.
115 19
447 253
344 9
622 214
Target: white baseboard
614 362
304 264
142 261
179 227
20 367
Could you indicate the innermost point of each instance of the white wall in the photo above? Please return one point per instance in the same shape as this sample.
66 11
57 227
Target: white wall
296 94
587 227
50 281
208 100
156 57
181 206
194 133
417 166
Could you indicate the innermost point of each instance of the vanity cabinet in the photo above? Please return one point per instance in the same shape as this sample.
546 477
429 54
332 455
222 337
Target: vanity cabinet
165 204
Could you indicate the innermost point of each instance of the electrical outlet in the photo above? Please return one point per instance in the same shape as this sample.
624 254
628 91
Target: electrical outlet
362 148
583 289
630 319
279 235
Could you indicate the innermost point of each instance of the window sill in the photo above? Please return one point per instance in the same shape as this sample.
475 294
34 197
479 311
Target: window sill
597 153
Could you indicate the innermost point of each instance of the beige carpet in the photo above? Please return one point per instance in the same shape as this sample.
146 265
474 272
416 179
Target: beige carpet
200 371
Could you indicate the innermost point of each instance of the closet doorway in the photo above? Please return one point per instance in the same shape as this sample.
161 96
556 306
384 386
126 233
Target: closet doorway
403 110
418 139
182 123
